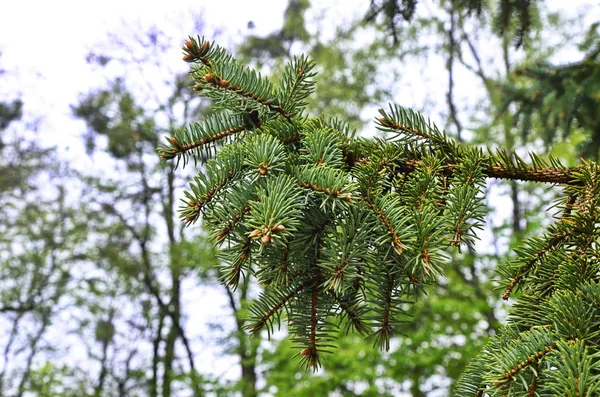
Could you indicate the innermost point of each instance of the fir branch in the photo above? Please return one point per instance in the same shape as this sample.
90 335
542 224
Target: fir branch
187 142
538 249
206 185
296 85
268 306
410 126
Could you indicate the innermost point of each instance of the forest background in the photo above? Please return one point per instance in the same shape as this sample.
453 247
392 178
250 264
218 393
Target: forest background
102 290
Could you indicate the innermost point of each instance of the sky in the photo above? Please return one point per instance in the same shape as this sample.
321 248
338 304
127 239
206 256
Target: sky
44 43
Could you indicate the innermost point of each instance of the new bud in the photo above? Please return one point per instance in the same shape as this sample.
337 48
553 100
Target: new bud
255 233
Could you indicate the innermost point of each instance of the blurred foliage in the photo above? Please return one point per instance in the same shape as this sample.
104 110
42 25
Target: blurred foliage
114 114
128 121
558 99
508 15
43 238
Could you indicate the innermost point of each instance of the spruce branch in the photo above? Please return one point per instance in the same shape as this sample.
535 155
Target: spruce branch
267 308
352 310
231 224
239 260
411 127
198 49
395 220
241 83
577 370
329 181
492 169
311 330
297 85
387 311
397 206
208 184
533 252
190 141
288 132
276 213
275 268
265 154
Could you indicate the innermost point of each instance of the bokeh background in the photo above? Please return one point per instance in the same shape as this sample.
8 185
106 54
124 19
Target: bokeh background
103 292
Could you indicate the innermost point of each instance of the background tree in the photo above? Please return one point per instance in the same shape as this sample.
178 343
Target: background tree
43 240
115 113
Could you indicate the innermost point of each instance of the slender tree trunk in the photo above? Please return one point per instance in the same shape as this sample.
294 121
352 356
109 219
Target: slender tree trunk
248 363
247 348
175 298
34 350
450 67
98 390
170 341
156 355
415 389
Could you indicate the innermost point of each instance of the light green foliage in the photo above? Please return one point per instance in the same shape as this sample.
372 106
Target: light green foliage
558 99
51 381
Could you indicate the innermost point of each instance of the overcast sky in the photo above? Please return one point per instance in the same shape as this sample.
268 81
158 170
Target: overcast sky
43 44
